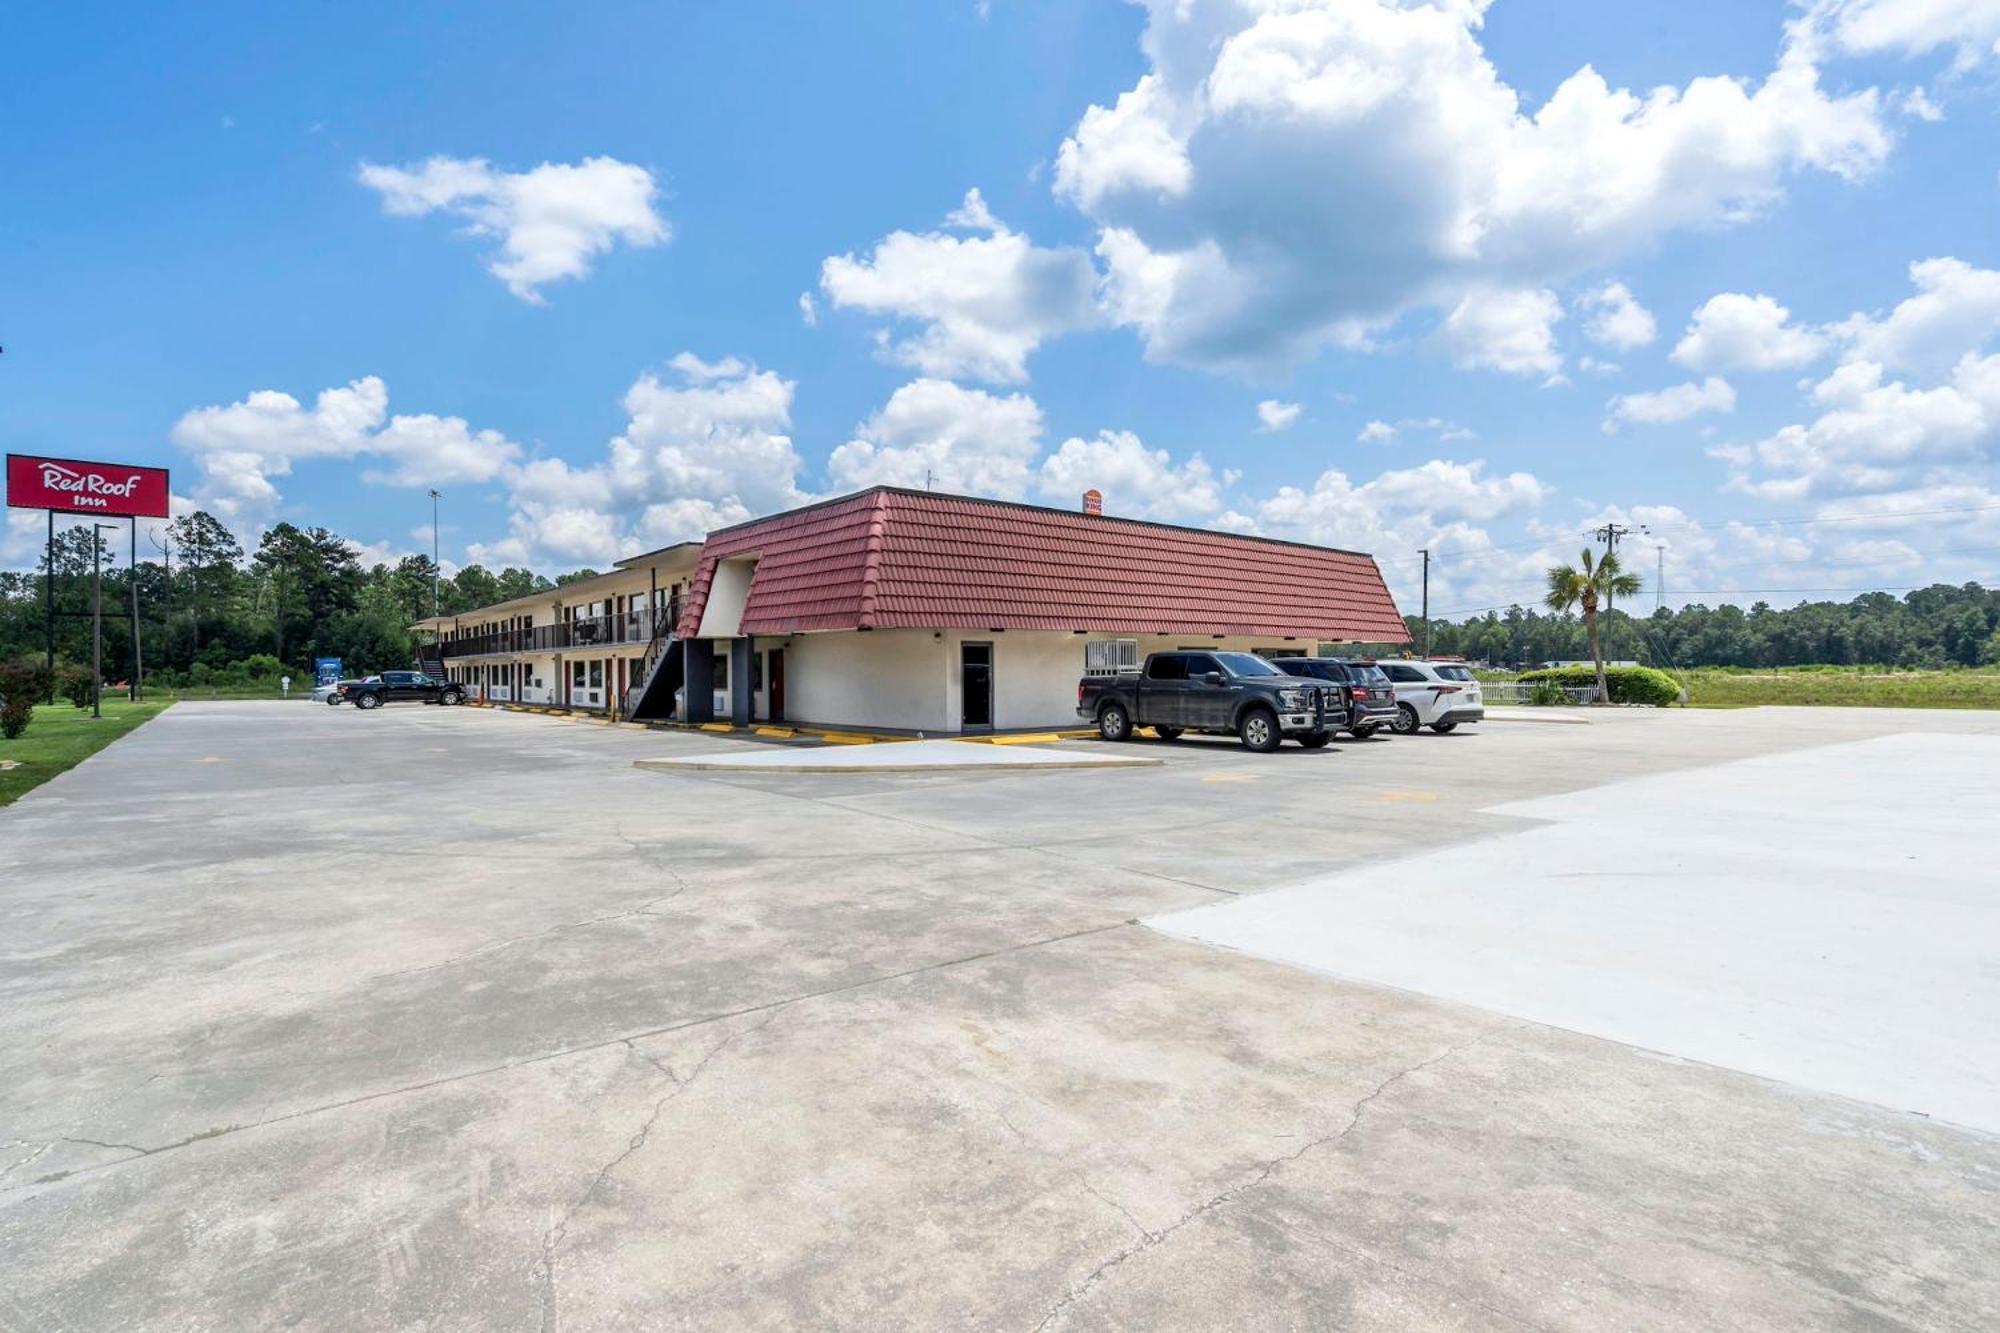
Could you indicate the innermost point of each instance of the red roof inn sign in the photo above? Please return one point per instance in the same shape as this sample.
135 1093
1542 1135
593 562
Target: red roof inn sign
72 486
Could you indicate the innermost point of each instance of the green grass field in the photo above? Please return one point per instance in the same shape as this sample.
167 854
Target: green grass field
1831 687
1838 687
60 737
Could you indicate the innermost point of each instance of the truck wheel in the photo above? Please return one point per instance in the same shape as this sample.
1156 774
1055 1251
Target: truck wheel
1317 740
333 701
1258 730
1406 723
1167 733
1114 723
366 701
1443 728
452 697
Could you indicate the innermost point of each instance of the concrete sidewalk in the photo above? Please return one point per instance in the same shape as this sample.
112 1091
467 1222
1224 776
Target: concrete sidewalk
932 756
1782 915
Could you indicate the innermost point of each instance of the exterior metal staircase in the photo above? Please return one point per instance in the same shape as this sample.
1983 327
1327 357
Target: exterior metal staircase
661 672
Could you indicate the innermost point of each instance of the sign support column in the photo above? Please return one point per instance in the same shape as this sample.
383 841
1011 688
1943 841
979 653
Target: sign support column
49 594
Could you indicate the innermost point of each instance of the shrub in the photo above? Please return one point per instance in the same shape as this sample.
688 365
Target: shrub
76 684
24 682
258 666
1546 693
1629 685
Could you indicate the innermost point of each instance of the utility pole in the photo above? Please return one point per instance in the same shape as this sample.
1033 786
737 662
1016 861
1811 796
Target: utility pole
1425 552
166 550
1609 535
1660 579
135 687
434 555
97 616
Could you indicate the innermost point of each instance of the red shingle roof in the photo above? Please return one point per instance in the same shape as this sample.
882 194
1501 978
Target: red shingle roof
890 558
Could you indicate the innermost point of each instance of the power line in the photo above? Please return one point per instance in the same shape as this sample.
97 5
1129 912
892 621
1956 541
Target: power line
1733 592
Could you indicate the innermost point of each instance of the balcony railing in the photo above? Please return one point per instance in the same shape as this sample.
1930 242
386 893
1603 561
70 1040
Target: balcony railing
591 632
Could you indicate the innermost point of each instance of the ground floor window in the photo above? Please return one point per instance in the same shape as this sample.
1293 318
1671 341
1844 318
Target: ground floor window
596 674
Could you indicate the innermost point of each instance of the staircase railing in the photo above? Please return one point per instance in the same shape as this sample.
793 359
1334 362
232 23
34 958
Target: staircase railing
656 653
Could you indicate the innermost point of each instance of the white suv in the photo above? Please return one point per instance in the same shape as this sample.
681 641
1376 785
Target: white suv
1438 695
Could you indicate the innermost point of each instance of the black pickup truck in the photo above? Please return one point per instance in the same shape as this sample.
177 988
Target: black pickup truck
1225 693
400 687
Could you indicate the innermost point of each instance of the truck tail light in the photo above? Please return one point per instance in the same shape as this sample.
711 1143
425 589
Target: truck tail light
1360 691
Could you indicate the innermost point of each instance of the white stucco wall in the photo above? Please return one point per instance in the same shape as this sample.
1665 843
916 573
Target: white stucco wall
887 678
909 679
728 592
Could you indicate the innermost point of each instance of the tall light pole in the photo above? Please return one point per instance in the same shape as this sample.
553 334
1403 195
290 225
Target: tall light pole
434 554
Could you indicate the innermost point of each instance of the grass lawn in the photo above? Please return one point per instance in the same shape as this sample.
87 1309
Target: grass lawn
60 737
1832 687
260 690
1867 687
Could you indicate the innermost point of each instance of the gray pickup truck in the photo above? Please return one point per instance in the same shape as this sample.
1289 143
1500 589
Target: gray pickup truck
1236 694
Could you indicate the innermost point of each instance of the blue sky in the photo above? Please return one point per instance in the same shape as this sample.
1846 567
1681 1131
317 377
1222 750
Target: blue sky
557 262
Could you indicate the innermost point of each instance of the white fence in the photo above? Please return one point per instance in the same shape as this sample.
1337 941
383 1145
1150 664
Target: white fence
1506 692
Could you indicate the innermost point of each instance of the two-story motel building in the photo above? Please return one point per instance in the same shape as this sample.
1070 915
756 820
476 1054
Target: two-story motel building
905 610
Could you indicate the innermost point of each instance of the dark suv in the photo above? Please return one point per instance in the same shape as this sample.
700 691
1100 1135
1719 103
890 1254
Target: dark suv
1371 700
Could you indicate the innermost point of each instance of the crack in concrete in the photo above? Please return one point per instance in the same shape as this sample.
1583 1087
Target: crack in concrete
123 1147
19 1162
553 1238
584 1048
1149 1240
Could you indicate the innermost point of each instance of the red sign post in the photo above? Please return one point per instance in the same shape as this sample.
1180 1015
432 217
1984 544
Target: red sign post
71 486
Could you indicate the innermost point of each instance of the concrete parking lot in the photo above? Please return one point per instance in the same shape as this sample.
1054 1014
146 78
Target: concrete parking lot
436 1019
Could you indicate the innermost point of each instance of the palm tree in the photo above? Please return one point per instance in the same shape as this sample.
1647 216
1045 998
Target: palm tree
1586 584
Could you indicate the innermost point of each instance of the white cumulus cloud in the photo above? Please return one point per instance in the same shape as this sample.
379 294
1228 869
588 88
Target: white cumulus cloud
1735 331
1136 482
241 447
704 446
945 435
1956 306
1285 175
1273 415
552 221
1677 403
1615 317
1508 331
1970 29
984 301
